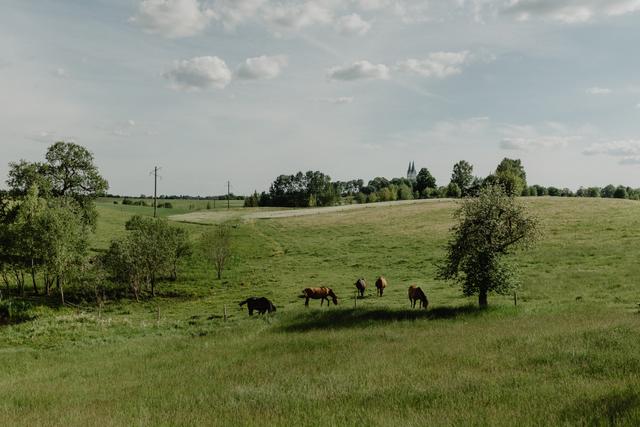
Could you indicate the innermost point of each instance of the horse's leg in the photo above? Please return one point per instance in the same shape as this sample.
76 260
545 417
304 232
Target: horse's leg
250 311
306 302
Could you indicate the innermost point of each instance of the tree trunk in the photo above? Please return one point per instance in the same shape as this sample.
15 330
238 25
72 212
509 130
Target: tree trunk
33 277
482 298
153 286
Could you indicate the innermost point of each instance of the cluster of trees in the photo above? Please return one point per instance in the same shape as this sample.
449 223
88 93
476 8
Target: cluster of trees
46 218
150 251
316 189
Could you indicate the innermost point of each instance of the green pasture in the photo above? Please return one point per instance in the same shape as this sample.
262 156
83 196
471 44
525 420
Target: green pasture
567 354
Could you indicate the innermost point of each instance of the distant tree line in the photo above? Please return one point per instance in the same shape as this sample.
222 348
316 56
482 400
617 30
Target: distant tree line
178 197
317 189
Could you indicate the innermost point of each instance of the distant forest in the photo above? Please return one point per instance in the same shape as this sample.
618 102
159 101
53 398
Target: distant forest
317 189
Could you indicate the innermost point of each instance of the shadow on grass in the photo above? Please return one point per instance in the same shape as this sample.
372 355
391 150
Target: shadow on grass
615 408
353 318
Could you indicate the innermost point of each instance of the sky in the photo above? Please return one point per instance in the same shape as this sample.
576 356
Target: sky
245 90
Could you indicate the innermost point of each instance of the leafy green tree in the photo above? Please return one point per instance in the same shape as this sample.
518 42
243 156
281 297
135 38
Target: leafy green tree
462 176
593 192
67 242
405 192
488 228
425 181
69 171
511 175
620 192
453 191
608 191
216 246
553 191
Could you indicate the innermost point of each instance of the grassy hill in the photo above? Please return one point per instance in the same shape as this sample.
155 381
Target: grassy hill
569 353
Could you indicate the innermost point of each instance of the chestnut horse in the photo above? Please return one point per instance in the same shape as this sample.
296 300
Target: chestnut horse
381 283
319 293
361 285
416 294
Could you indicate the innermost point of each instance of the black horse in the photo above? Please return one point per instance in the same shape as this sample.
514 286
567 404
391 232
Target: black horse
259 304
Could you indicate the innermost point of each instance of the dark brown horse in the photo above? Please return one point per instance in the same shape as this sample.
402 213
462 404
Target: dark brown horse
381 283
416 294
262 305
322 294
361 285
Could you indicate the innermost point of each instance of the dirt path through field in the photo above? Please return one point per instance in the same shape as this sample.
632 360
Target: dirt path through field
212 217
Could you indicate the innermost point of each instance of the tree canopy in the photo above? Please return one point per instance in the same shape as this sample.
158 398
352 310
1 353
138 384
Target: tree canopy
487 228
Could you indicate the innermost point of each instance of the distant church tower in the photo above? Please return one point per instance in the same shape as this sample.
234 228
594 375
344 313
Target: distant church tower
411 172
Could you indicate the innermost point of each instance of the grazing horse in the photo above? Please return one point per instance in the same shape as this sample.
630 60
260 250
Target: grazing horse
319 293
261 305
381 283
361 285
416 294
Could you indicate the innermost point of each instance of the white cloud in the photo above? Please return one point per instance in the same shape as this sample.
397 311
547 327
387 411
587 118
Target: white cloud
372 4
341 100
530 138
173 18
43 136
352 25
528 144
628 151
297 16
598 91
60 72
261 67
437 64
359 70
622 148
234 12
124 129
569 11
199 73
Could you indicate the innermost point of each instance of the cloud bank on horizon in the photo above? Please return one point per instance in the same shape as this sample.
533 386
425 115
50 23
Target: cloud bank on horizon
248 89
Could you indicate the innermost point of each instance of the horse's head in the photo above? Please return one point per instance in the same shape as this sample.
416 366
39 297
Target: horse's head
333 296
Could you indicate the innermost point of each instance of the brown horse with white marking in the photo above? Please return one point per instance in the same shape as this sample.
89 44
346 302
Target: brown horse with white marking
381 283
416 294
361 285
319 293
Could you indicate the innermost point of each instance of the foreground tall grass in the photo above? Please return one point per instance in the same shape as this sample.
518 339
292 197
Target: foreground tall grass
568 354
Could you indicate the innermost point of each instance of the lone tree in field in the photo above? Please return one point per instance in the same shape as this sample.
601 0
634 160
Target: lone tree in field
216 245
489 227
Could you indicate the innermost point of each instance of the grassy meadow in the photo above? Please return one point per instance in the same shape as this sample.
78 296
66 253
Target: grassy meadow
567 354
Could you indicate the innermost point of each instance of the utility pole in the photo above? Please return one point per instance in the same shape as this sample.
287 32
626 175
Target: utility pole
228 194
155 190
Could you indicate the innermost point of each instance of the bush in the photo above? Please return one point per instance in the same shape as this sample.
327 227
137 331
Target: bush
405 192
454 191
620 193
361 198
12 311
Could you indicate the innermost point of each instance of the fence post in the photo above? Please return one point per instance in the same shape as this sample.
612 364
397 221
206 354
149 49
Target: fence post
158 315
515 299
225 312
